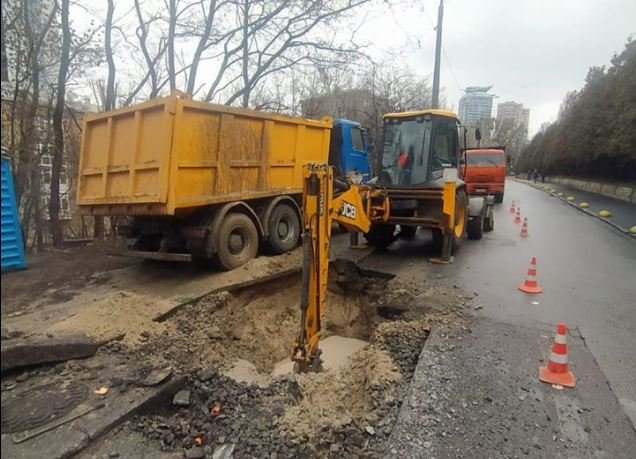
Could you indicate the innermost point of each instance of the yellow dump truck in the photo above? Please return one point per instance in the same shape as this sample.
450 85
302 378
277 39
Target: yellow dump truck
201 181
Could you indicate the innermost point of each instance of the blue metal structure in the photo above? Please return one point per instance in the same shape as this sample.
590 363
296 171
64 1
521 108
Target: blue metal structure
348 151
12 248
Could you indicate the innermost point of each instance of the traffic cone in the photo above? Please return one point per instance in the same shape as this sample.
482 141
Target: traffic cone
524 228
518 216
512 208
530 284
557 370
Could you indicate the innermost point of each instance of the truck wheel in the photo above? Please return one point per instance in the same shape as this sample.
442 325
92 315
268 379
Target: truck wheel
407 232
475 228
284 229
237 241
381 235
499 198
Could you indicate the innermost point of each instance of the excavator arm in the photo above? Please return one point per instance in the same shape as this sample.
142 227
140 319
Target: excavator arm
325 201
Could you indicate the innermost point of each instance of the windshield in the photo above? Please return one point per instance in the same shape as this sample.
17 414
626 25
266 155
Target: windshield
485 159
417 150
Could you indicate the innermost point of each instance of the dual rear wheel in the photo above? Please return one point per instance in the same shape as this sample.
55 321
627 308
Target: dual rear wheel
237 240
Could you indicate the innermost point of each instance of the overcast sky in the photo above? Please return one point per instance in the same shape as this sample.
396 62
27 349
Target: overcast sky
530 51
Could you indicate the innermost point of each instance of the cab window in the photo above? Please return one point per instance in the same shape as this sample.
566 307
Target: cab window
356 139
444 149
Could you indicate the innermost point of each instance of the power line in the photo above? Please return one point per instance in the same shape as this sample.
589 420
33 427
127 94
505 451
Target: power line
451 68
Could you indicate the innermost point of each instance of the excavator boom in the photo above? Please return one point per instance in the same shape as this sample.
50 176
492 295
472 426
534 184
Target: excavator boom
325 201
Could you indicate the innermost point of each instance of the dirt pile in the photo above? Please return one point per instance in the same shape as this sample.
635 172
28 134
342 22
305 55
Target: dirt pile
123 313
334 400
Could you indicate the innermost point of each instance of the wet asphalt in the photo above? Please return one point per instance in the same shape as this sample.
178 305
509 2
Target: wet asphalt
623 213
586 268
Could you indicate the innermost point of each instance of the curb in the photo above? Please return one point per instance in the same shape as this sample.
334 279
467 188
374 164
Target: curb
609 222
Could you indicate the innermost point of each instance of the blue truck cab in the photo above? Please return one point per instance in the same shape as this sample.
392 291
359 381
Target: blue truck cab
349 150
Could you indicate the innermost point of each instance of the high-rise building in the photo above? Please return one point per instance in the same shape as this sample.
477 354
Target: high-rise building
514 111
475 105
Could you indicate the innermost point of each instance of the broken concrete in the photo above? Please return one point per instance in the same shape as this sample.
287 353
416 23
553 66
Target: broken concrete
181 398
121 402
37 350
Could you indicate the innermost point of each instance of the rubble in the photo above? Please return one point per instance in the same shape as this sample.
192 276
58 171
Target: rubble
181 398
22 352
236 402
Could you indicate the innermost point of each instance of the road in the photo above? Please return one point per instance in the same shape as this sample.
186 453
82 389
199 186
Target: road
623 213
586 268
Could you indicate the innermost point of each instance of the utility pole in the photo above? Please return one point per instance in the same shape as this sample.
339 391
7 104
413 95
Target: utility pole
438 54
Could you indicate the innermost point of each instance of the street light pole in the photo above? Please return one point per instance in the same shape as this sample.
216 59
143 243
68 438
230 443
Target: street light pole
438 52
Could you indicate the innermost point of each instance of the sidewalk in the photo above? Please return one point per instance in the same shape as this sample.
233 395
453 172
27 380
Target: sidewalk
623 214
475 393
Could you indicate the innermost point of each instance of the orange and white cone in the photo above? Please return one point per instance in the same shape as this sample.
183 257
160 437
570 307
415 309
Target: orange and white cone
557 370
530 284
518 216
512 208
524 228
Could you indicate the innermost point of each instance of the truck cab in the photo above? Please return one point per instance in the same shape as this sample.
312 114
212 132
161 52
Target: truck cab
348 151
485 172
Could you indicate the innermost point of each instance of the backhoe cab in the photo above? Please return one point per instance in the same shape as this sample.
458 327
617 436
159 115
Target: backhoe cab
420 158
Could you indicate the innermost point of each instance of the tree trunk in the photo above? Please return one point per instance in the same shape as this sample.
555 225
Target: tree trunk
58 129
29 143
109 102
171 30
109 98
200 47
245 64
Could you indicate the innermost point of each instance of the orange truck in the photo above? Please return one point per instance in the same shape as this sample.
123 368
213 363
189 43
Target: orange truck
485 172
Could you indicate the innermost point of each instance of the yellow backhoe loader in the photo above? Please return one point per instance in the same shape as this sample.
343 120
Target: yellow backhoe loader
419 186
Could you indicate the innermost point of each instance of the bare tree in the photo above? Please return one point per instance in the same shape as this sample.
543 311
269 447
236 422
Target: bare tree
172 24
109 92
110 97
58 114
30 46
151 60
278 36
201 46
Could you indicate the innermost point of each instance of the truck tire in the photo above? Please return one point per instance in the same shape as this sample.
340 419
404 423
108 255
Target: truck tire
381 235
283 228
475 228
499 198
237 241
407 232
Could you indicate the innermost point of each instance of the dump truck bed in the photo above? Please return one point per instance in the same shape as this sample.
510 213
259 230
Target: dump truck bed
171 155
